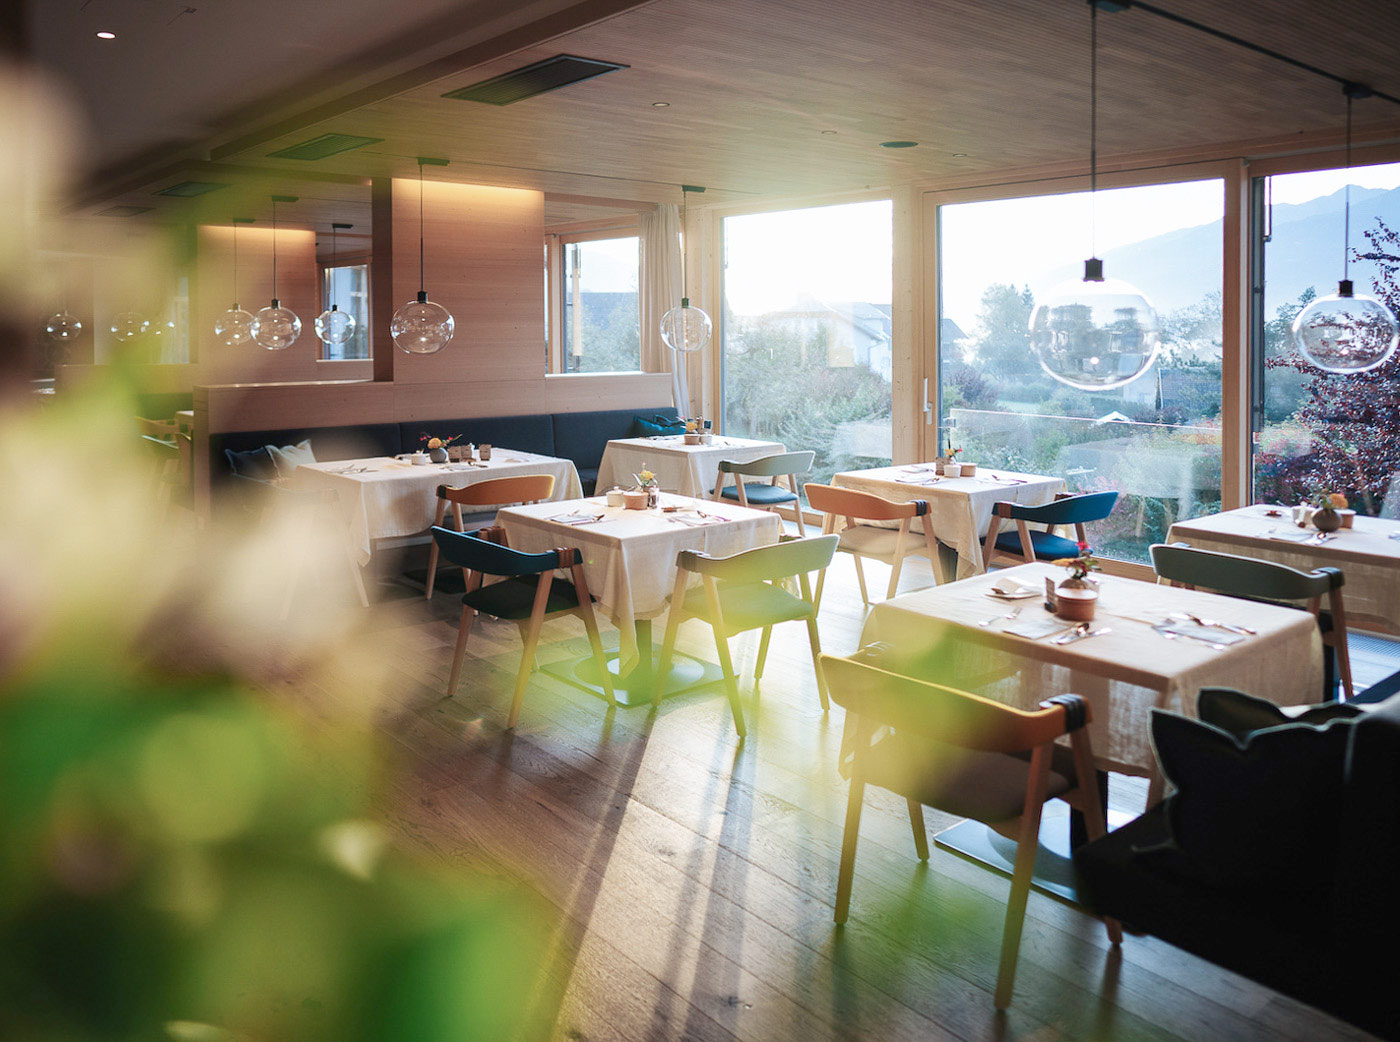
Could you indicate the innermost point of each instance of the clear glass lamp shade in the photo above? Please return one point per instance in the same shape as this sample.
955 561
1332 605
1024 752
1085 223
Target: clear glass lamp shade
275 327
63 326
234 327
128 325
1344 333
686 329
334 326
421 327
1095 335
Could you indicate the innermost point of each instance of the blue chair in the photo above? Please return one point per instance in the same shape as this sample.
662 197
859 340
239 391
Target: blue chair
745 592
1027 544
766 495
528 594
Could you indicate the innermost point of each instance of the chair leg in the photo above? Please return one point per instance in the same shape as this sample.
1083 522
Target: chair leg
1027 841
433 551
1339 638
860 578
821 584
731 682
590 624
668 643
762 652
464 629
846 873
894 577
532 640
916 821
815 641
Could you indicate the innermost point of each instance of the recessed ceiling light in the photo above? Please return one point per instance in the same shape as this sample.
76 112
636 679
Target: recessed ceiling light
661 104
899 144
828 133
959 155
106 35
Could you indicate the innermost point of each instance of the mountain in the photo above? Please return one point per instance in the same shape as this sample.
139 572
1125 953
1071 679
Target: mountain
1305 250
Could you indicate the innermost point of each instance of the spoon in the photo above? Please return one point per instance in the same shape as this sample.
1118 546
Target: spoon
1009 615
1232 627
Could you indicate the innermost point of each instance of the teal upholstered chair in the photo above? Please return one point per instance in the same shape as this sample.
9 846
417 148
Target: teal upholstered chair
746 592
766 495
528 594
1026 544
969 756
1258 580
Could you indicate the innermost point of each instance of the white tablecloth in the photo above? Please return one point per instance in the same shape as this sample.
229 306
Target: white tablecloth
1367 555
934 635
395 498
690 470
959 508
629 558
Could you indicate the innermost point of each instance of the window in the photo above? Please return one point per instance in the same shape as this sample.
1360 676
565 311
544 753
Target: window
348 286
806 352
1314 431
1156 440
595 298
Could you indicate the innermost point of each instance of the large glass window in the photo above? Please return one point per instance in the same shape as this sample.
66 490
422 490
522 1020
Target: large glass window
599 325
806 350
348 286
1314 431
1156 440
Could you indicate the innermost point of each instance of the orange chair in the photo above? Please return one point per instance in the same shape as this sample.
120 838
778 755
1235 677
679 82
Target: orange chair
889 545
965 755
525 488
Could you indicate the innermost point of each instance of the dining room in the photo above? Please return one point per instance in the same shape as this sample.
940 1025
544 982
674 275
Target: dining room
565 480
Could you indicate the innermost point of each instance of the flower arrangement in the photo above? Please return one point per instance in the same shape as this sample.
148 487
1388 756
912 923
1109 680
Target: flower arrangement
434 442
1080 566
1329 500
645 478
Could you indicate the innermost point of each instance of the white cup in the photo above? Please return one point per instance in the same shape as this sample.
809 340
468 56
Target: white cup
419 459
615 497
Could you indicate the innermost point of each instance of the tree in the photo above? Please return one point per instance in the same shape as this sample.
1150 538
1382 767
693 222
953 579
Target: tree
1002 347
1354 419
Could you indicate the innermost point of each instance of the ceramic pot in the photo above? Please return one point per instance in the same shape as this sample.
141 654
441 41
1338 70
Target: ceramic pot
1076 603
438 455
635 499
1326 520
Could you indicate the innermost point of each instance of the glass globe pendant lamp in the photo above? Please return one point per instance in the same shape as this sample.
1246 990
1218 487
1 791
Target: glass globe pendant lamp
235 326
63 327
1095 334
422 327
334 326
1344 333
275 327
128 325
685 329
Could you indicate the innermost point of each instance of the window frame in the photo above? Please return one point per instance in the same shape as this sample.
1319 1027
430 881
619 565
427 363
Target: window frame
348 260
556 240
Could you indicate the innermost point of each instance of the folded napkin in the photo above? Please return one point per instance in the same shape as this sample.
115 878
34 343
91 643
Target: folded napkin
1036 629
697 520
575 518
1212 634
1009 587
1292 535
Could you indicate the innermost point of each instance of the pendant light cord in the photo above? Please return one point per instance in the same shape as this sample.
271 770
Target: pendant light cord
421 287
334 256
235 263
1346 208
685 284
274 247
1093 127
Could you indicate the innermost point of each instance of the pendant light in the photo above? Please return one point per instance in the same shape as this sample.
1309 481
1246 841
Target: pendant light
235 326
1095 334
421 327
1344 333
685 329
334 326
128 325
62 326
275 327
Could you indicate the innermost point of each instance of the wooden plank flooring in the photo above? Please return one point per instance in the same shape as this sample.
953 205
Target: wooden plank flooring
694 874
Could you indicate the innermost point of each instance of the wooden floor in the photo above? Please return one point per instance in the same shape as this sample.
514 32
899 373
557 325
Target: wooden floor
694 874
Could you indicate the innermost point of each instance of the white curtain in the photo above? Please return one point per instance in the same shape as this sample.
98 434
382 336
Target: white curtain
661 291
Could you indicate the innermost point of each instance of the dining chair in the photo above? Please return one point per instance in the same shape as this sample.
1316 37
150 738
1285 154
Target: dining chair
528 595
745 591
888 545
969 756
523 488
1253 579
1027 544
766 495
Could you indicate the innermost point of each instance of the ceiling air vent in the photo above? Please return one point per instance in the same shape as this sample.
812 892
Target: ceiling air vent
189 189
323 146
123 211
539 78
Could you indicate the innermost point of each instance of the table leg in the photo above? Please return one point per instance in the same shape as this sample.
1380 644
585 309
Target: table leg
634 679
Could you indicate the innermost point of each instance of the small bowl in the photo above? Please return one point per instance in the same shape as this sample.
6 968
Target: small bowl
692 439
634 499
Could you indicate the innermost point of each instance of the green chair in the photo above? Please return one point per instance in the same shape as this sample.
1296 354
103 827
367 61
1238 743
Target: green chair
967 756
528 594
745 592
766 495
1253 579
1027 544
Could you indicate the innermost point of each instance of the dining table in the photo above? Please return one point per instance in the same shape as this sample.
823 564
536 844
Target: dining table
689 470
959 508
1368 553
629 560
385 497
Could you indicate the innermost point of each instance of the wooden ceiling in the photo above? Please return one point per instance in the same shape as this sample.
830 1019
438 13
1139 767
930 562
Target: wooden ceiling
789 98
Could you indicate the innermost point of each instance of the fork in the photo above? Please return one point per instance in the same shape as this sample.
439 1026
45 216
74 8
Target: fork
1009 615
1232 627
1169 635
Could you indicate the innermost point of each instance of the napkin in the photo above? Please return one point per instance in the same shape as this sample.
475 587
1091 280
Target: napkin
1213 634
1292 535
575 518
1035 629
1009 587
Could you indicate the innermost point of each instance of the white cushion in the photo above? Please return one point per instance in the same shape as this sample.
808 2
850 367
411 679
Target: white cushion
871 541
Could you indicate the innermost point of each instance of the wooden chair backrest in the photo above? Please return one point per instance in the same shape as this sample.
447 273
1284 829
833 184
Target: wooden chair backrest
524 488
1068 510
849 503
763 563
164 429
1241 576
771 466
467 551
